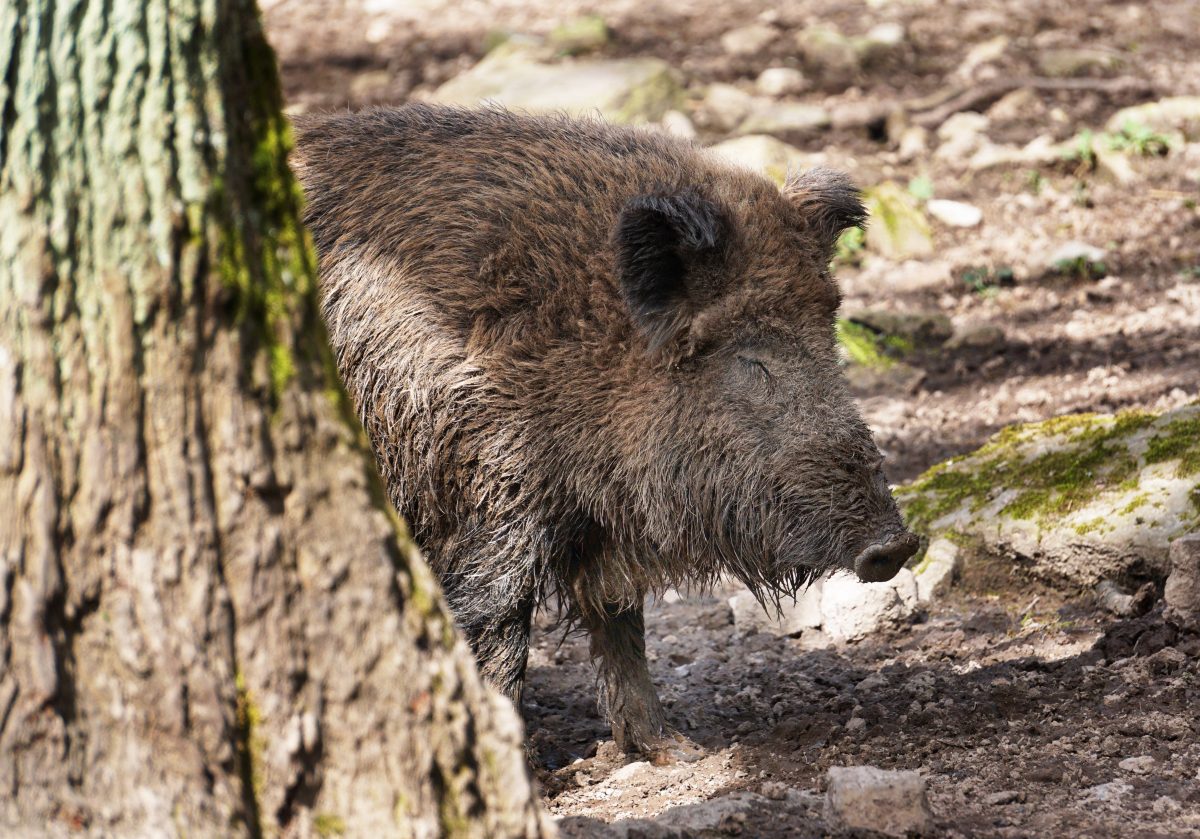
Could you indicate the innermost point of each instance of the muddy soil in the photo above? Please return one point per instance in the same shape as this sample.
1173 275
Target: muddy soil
1031 712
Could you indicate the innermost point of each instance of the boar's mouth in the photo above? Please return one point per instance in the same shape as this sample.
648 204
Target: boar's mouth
881 561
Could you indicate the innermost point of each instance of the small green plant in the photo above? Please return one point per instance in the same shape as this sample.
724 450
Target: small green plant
921 188
1034 181
1081 268
985 281
1081 150
863 346
850 247
1140 139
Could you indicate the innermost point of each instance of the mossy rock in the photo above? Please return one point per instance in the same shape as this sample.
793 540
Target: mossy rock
632 90
1078 498
766 155
897 228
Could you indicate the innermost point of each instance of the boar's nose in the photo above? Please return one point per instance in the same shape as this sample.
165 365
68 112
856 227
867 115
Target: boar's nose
880 562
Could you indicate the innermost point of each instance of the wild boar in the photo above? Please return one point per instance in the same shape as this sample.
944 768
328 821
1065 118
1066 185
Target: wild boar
593 360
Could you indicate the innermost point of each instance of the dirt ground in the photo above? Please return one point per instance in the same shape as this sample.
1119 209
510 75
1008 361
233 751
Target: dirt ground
1022 706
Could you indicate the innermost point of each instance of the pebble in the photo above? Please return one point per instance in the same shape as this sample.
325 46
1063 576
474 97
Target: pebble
781 81
893 803
1007 796
748 40
954 213
1141 765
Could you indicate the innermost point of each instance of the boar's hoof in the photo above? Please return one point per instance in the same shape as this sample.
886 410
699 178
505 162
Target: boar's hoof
879 563
672 747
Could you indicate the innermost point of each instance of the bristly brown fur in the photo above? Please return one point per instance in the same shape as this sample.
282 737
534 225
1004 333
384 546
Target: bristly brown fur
594 359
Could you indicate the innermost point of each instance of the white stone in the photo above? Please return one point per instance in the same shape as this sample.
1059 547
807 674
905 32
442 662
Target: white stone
628 772
954 213
1140 765
766 155
748 40
937 570
725 106
1174 114
1112 791
867 798
794 616
889 34
1182 593
785 118
1072 251
851 609
630 90
677 123
780 81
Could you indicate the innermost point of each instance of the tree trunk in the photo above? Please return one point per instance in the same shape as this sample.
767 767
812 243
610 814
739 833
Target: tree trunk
211 623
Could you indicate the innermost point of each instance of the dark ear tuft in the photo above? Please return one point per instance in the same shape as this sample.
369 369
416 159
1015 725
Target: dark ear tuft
828 202
658 241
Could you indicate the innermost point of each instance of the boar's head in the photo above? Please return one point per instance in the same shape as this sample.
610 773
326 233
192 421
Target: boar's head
742 449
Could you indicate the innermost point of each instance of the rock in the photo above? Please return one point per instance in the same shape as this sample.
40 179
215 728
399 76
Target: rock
722 816
919 327
748 40
781 81
1038 151
954 213
627 772
631 90
1141 765
851 610
794 616
828 53
976 336
913 143
871 683
961 134
897 228
1015 105
937 570
1110 597
1112 791
583 34
981 55
1008 796
1071 253
766 155
882 40
372 84
1175 114
859 114
875 800
896 377
786 118
1182 593
725 107
1113 163
677 123
1079 498
1063 62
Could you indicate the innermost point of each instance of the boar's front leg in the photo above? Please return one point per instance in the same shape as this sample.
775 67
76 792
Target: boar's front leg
627 695
496 626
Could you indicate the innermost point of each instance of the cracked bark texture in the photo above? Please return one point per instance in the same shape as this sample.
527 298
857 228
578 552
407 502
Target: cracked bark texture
211 623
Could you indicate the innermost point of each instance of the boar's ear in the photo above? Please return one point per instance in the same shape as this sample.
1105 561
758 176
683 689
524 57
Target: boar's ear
828 202
659 241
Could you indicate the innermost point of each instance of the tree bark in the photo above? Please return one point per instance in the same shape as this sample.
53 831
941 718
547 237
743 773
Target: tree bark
211 622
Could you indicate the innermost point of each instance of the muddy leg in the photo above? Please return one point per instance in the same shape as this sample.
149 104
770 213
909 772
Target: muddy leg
499 638
627 695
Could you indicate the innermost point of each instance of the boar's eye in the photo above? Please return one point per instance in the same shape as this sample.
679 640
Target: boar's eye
759 370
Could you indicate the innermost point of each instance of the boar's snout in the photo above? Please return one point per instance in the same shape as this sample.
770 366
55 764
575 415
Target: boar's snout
880 562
